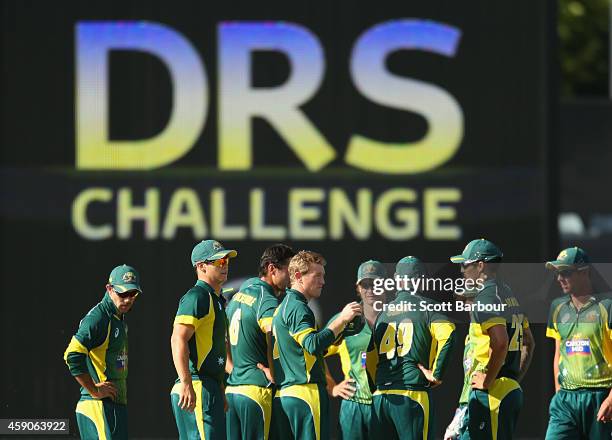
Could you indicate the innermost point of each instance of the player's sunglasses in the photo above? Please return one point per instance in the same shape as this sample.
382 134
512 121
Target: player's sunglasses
466 265
367 284
221 262
128 294
566 273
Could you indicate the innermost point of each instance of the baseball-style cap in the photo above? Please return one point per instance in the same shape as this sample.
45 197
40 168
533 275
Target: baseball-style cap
478 250
370 269
210 250
570 258
411 267
124 278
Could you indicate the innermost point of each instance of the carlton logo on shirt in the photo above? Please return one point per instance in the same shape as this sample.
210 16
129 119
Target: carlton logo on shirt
121 361
578 346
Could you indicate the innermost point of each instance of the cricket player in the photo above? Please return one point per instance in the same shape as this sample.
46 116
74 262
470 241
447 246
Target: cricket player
580 322
198 347
496 337
250 312
413 347
98 359
355 389
458 424
301 403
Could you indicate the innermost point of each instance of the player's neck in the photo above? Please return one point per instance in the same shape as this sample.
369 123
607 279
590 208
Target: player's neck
582 298
215 285
268 280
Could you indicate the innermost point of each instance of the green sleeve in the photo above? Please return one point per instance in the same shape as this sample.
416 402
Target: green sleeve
91 334
303 330
552 331
192 307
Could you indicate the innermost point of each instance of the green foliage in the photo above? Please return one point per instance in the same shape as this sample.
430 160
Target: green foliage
584 44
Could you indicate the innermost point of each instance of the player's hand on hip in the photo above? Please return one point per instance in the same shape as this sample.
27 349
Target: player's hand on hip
433 382
605 411
267 372
478 381
350 311
187 397
105 389
345 389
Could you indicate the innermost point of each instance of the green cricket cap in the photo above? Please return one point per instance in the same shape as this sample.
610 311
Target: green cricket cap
210 250
570 258
124 278
478 250
371 269
411 267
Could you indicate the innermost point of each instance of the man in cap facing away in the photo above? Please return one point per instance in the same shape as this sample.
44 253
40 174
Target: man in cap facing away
580 322
198 347
413 347
97 357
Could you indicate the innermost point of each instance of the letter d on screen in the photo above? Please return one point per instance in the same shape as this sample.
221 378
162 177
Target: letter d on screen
94 41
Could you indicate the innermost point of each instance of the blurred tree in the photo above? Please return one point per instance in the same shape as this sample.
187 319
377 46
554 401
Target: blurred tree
585 47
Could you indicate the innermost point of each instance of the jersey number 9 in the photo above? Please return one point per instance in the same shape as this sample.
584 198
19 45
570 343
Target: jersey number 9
396 340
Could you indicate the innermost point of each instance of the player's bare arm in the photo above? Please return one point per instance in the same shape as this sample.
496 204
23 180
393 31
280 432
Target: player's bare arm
229 363
499 348
605 410
344 389
97 390
556 366
181 333
526 352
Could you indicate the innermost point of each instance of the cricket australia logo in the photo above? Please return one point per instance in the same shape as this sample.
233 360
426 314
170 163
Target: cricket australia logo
369 269
562 255
217 246
128 277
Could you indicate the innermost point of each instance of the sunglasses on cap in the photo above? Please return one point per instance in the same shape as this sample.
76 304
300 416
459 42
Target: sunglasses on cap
219 263
129 293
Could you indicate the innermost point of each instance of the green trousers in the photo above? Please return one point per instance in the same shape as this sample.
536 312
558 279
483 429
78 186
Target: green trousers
573 415
492 414
249 412
207 421
402 414
355 420
301 412
102 419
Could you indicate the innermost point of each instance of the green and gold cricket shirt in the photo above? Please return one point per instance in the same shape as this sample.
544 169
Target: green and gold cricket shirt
585 341
353 358
249 313
496 305
202 308
100 348
405 336
298 346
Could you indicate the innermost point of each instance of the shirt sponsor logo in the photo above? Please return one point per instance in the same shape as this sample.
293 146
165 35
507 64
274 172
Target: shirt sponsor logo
578 347
363 359
121 361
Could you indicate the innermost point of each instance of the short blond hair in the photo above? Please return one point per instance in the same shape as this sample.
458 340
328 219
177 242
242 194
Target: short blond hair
302 261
